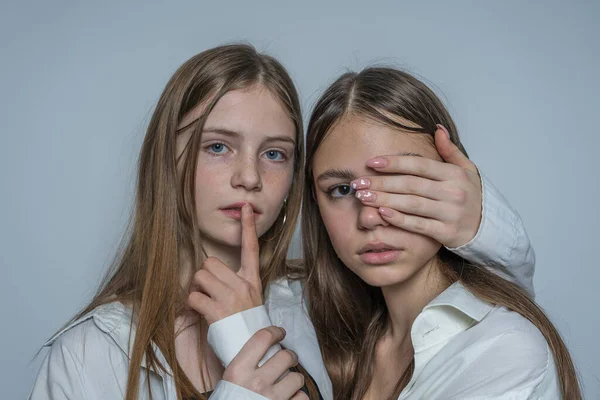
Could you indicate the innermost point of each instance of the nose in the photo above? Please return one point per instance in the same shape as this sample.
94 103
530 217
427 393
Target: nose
369 218
247 175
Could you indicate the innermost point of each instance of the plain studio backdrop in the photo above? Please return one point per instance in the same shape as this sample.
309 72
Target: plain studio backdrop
79 80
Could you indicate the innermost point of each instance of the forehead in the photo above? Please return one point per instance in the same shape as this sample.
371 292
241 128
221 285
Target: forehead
354 140
255 110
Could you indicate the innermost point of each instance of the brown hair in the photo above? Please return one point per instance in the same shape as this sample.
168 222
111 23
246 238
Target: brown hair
164 220
349 315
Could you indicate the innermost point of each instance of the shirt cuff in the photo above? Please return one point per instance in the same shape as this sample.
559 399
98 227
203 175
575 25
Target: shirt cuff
225 390
228 335
495 238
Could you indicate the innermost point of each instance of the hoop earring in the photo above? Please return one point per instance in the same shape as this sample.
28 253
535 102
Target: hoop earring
278 234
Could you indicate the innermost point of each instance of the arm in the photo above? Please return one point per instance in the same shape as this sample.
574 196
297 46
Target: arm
59 377
501 240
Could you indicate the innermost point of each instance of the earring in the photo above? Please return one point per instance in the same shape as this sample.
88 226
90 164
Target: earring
282 223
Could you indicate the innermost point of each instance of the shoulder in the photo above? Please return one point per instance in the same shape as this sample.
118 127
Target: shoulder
506 344
88 358
102 332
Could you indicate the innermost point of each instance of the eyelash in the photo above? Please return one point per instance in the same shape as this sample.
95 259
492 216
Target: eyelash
209 149
334 187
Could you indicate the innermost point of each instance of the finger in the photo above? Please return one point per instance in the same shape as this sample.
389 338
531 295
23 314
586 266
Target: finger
424 226
200 303
256 348
300 395
413 165
277 365
405 203
401 184
222 273
207 283
289 385
249 269
449 151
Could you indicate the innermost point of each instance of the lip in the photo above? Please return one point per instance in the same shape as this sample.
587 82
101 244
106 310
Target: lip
373 246
234 210
379 253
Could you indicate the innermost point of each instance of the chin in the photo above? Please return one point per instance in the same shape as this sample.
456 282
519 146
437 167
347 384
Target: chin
385 275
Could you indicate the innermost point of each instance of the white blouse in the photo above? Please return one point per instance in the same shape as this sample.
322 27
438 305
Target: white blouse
89 359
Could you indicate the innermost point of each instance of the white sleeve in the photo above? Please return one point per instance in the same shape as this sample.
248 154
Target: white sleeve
228 335
59 377
501 240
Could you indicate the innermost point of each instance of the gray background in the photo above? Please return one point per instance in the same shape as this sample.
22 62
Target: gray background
78 82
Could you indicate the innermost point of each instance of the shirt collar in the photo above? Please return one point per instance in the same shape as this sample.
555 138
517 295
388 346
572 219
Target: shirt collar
115 319
455 310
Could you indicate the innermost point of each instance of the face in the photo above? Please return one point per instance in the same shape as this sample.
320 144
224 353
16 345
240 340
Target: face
380 254
246 156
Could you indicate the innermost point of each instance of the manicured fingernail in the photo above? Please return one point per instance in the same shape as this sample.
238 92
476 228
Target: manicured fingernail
377 162
362 183
442 127
386 212
365 195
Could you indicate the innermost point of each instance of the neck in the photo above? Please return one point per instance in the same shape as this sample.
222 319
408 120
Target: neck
229 255
406 300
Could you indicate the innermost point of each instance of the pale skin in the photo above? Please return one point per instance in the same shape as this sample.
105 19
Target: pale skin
227 284
434 203
246 157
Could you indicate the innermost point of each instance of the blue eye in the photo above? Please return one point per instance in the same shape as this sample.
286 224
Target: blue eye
275 155
339 191
217 148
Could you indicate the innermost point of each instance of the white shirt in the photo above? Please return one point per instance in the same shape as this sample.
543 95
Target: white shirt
88 360
464 347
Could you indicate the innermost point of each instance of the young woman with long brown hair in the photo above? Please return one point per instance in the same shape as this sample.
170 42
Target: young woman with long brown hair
227 131
225 143
469 217
396 314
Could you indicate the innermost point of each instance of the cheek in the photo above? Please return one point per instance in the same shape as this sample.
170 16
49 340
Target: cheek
277 182
340 225
211 181
422 247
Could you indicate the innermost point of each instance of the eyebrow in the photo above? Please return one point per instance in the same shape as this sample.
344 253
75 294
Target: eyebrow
337 174
235 134
346 174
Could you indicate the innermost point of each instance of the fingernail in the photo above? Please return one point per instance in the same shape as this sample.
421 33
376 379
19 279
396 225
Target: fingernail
377 162
442 127
365 195
282 330
362 183
249 208
386 212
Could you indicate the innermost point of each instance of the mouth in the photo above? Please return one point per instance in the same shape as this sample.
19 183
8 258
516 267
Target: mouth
379 253
235 210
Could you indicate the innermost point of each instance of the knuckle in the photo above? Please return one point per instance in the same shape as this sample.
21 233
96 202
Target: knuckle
265 335
415 203
290 357
458 195
420 224
297 378
412 184
460 174
257 384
